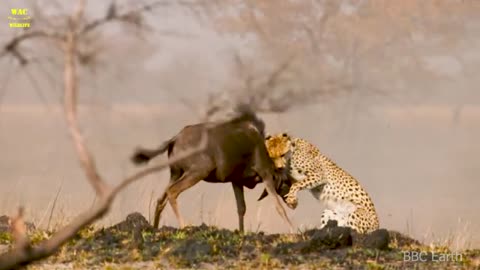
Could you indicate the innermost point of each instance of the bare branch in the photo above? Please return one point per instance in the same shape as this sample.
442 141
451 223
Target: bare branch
23 253
19 230
78 14
256 25
5 80
264 91
70 103
12 46
131 16
260 94
28 35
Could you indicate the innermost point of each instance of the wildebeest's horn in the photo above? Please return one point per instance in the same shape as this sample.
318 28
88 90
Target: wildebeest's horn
264 194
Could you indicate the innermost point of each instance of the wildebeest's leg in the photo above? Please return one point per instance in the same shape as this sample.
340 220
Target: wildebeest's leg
188 179
162 201
241 208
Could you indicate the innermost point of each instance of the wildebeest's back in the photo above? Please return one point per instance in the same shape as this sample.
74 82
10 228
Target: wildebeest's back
230 146
185 140
234 146
188 137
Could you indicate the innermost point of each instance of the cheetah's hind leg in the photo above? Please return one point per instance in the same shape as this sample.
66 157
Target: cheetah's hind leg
362 221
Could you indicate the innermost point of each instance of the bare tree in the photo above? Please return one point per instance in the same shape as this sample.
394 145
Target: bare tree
281 74
23 252
274 92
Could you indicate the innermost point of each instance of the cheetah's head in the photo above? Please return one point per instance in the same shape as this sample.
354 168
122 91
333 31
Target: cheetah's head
278 146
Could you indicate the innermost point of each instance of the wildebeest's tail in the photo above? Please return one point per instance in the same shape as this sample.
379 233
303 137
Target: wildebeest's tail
143 155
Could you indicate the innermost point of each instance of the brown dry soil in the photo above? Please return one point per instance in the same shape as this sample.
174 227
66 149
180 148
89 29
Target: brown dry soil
134 244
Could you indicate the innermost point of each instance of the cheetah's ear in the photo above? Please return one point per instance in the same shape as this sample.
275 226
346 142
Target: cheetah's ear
268 137
284 134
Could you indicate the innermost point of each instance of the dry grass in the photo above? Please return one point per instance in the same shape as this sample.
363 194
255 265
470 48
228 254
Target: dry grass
133 244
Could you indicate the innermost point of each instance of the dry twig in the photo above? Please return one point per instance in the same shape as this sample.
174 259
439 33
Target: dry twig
23 252
19 230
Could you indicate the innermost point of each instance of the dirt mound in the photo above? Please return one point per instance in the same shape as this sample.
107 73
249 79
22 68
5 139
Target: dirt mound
195 245
135 241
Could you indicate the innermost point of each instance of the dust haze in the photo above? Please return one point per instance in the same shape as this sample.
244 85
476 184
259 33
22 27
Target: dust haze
407 128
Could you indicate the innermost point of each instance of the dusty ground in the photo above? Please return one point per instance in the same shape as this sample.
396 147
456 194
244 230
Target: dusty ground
134 244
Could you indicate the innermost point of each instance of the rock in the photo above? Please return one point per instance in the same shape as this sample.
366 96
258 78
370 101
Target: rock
329 237
134 221
378 239
331 224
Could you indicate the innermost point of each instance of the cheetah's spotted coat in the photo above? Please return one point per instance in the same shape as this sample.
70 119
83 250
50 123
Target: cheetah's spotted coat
346 201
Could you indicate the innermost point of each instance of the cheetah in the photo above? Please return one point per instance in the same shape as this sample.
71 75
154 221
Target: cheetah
345 199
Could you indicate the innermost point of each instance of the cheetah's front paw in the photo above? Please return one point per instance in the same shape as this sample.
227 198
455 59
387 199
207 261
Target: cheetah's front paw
291 201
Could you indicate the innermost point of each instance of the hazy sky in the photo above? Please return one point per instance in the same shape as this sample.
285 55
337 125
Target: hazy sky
185 58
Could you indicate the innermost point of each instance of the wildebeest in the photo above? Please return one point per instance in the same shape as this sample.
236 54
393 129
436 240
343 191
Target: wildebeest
235 153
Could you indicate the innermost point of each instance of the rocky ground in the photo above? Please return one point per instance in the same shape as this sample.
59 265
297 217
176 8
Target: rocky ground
134 244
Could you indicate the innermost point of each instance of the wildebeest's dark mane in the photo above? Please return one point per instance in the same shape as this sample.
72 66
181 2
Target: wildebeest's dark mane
245 112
